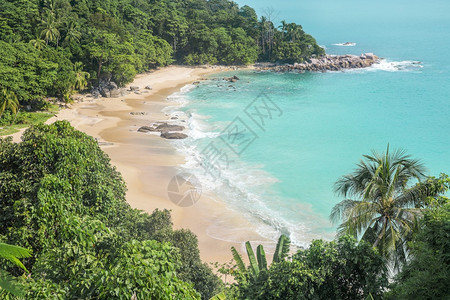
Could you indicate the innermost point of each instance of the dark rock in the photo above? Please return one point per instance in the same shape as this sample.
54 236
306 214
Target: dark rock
112 85
169 127
146 129
173 135
148 87
138 113
231 79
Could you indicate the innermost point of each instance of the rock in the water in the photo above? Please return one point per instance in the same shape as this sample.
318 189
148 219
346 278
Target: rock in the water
173 135
231 79
134 88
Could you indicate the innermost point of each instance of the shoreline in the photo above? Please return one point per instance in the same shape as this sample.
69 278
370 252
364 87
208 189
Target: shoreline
148 162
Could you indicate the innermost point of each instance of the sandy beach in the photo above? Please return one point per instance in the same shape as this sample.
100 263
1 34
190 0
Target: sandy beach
148 162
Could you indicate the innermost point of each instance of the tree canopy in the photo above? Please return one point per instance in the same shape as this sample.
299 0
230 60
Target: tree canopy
62 199
46 45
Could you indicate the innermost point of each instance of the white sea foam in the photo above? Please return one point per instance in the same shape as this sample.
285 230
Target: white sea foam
346 44
245 188
395 66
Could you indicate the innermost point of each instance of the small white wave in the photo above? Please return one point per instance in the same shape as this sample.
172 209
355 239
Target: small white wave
395 66
346 44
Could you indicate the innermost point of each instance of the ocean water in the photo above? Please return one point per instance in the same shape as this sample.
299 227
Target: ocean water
316 126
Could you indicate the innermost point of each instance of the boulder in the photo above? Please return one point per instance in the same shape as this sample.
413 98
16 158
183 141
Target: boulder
134 88
173 135
168 127
146 129
148 87
112 85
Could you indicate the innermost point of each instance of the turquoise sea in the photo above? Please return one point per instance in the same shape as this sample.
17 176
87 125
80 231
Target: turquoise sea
322 123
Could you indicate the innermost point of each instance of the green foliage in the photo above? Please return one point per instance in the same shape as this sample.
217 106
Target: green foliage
62 199
427 274
327 270
385 210
41 41
12 253
282 248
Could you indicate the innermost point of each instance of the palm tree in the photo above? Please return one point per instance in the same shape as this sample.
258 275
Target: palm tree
383 210
8 100
81 76
37 43
72 35
50 31
12 253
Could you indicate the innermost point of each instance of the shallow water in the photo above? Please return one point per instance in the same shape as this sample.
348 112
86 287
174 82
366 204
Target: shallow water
322 123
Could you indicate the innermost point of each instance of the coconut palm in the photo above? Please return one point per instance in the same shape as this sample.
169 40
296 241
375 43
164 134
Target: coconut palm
8 100
81 76
37 43
379 207
72 35
12 253
50 31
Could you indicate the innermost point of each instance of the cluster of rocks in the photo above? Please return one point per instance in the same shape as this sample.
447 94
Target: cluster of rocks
109 89
168 131
329 63
231 79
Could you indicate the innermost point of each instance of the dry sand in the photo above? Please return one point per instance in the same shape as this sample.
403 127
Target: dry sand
148 162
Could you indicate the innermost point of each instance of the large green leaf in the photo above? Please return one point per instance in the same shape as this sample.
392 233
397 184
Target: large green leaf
238 259
261 255
282 249
251 257
13 253
220 296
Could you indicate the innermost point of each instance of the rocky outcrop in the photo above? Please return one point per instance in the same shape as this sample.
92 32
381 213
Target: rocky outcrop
231 79
173 135
329 63
108 89
164 127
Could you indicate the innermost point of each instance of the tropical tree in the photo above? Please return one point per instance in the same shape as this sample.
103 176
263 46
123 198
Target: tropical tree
81 76
12 253
72 35
8 100
37 43
379 206
50 31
